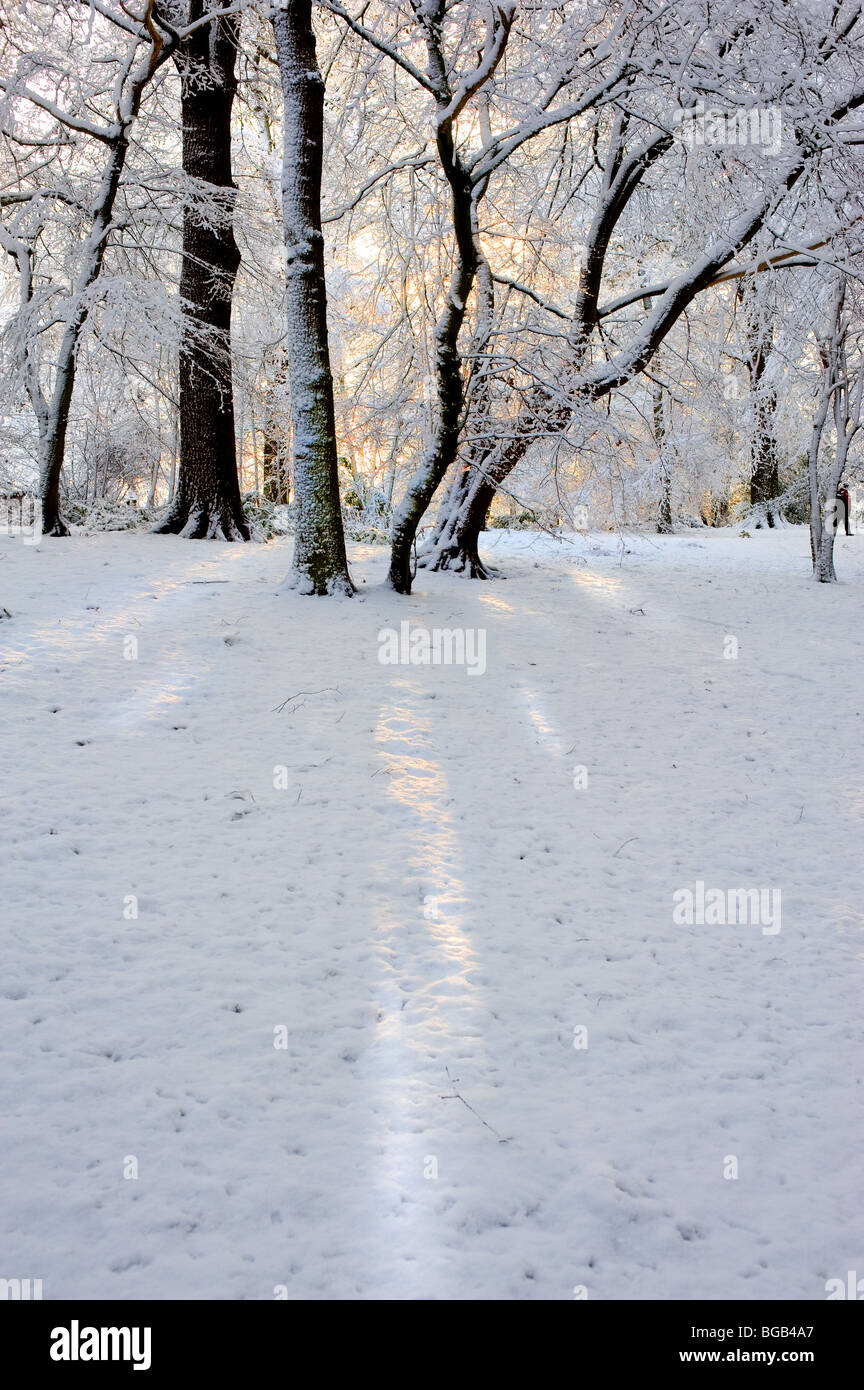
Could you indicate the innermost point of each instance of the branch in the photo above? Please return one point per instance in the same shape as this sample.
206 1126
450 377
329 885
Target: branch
383 45
532 294
787 260
7 199
501 148
679 293
411 161
107 135
470 85
125 22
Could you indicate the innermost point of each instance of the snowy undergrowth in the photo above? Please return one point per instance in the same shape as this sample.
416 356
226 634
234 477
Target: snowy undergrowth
388 871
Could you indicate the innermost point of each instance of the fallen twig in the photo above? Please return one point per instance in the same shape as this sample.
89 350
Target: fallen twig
456 1096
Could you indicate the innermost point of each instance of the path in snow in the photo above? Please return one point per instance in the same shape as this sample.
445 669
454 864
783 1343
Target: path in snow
389 871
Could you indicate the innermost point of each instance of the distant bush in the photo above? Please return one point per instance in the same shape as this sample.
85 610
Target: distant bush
367 519
268 519
522 521
103 515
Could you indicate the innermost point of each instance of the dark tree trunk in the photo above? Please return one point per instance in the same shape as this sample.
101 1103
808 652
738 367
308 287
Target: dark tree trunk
455 542
468 261
764 468
462 553
276 480
52 449
275 485
438 553
448 371
54 415
320 562
664 510
664 518
207 503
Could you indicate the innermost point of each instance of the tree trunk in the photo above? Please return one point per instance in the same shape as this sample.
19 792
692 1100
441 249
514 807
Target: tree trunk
464 555
207 503
468 262
759 337
276 475
275 486
664 519
818 426
842 395
664 511
765 473
824 569
455 542
52 444
448 371
438 552
320 562
465 509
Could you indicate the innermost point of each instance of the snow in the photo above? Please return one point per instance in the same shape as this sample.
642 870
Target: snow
423 909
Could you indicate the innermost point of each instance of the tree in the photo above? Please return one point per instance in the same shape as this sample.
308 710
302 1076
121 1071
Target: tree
79 102
841 395
465 190
207 504
597 361
320 563
468 172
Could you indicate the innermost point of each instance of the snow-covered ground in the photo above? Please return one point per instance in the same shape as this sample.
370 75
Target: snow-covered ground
373 910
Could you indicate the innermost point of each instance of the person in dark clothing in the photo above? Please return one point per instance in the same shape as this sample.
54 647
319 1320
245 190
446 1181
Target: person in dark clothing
843 499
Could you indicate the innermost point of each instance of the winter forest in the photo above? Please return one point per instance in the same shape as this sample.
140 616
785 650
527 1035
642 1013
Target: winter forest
431 439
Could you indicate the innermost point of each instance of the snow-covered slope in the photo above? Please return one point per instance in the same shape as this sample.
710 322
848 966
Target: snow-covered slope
373 910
